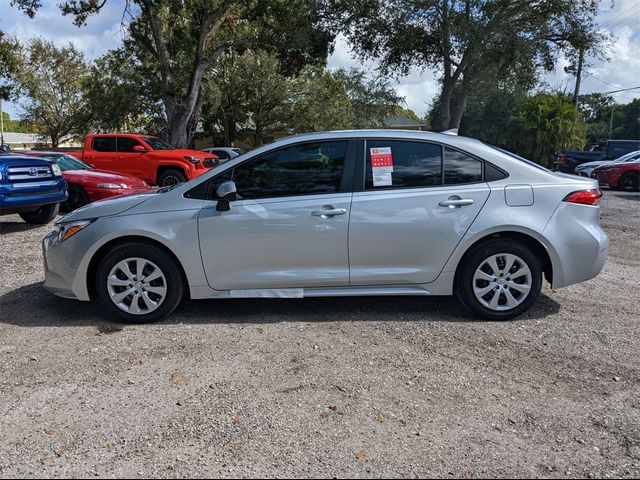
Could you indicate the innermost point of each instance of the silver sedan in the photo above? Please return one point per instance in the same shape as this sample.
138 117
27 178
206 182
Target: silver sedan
373 212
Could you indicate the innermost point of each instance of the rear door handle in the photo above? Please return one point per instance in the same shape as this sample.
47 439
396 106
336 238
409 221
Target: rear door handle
456 202
328 211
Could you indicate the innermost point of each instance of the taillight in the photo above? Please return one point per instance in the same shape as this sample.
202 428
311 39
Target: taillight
584 197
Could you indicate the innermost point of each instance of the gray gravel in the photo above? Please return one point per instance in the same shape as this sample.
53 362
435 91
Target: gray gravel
358 387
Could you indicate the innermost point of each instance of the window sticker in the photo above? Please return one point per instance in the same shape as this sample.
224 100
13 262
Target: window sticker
382 166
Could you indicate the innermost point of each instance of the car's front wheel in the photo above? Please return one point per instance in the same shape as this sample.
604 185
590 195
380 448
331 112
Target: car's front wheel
139 283
500 279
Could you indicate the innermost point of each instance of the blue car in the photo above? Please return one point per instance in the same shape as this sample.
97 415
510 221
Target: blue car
32 187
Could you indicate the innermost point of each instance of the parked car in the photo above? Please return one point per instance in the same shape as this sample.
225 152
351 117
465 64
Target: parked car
88 184
387 213
586 169
619 175
224 153
30 187
143 156
567 161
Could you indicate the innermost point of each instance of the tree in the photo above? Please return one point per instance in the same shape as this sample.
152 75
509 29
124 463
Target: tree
8 65
51 81
120 97
181 40
319 101
545 124
373 100
626 121
596 110
249 91
462 38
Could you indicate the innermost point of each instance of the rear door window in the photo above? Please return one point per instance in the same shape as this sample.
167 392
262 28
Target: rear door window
104 144
460 168
402 164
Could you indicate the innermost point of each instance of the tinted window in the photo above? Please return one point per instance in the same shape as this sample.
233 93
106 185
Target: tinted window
157 144
220 153
461 168
207 190
104 144
306 169
414 164
126 144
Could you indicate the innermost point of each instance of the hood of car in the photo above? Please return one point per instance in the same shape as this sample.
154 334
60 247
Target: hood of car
95 176
592 164
109 207
183 153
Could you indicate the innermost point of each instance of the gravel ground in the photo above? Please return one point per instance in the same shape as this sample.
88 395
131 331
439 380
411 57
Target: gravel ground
357 387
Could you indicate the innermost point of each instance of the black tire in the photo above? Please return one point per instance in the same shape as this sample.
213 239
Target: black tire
172 274
41 215
475 259
629 182
77 198
171 177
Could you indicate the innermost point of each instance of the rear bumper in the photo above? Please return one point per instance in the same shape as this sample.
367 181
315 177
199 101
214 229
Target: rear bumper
581 245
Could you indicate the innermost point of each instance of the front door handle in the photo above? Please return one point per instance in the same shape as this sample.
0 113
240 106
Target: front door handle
328 211
455 201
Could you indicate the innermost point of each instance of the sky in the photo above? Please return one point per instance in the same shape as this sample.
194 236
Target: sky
620 18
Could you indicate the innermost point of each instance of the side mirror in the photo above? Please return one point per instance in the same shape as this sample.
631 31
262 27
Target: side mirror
226 192
139 148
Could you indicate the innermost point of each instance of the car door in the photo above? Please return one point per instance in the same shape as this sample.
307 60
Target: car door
129 161
416 203
289 227
103 153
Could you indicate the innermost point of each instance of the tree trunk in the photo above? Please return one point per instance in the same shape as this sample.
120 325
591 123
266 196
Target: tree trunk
461 102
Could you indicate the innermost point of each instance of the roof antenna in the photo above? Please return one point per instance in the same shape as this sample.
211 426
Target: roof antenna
451 131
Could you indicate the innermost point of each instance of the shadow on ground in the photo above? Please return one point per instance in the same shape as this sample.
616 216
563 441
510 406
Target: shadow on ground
32 306
17 227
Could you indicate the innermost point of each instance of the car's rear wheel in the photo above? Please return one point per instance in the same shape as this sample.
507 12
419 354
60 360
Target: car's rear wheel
171 177
500 279
630 182
77 198
139 283
41 215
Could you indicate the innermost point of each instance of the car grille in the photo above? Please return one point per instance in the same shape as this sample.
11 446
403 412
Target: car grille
32 194
28 174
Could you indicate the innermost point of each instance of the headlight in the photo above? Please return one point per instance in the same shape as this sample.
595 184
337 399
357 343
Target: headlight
112 186
194 160
56 169
68 230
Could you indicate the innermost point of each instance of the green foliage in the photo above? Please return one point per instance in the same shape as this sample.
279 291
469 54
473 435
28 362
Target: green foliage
8 65
373 100
464 39
120 97
52 80
545 124
626 121
18 126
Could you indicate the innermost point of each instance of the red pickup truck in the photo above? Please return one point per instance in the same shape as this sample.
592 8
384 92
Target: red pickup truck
145 157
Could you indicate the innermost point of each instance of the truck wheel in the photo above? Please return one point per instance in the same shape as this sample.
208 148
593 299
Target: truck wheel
41 215
77 198
139 283
499 279
171 177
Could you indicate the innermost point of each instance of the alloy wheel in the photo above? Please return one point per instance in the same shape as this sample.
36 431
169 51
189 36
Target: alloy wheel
502 281
137 286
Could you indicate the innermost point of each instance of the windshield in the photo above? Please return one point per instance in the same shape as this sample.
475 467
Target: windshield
157 144
67 162
518 157
629 157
